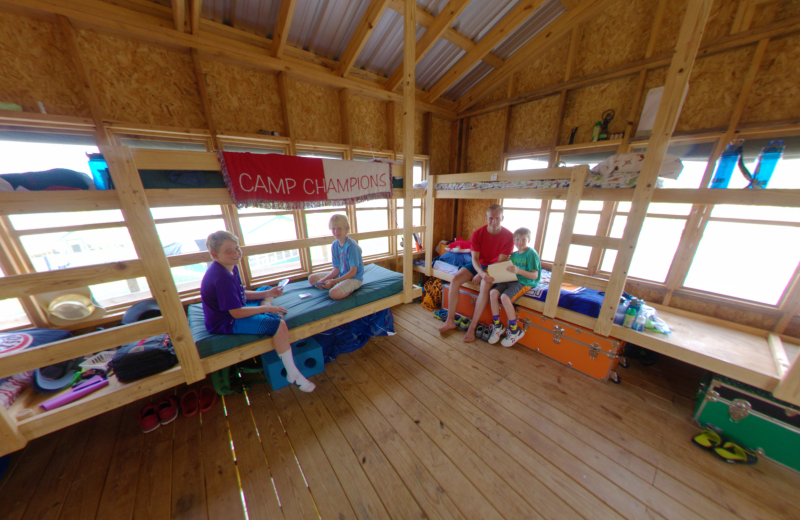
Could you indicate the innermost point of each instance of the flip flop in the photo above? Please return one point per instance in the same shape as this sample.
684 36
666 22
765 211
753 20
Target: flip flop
190 403
441 314
707 439
207 399
732 453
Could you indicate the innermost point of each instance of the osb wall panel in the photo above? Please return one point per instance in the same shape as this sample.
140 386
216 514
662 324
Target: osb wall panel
720 21
368 115
419 124
439 165
714 87
142 83
243 99
474 215
315 112
586 106
618 36
485 147
771 12
548 69
36 67
775 93
534 124
497 94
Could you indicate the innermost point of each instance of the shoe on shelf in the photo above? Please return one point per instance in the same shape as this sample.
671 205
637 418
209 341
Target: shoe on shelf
190 403
497 331
148 418
167 409
512 337
207 398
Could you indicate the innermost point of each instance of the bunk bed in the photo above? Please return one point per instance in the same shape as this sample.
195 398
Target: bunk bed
750 355
24 420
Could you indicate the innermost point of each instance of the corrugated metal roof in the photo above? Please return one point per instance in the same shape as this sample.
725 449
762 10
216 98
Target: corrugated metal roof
325 27
538 21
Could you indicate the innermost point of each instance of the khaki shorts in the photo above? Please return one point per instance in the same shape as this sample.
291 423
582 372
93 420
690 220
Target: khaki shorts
346 286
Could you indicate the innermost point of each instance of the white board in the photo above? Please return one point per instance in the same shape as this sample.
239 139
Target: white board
499 273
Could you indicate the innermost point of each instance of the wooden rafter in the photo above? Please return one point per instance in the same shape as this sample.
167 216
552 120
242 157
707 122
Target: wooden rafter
282 26
201 88
361 35
537 46
451 35
499 32
179 14
440 24
195 8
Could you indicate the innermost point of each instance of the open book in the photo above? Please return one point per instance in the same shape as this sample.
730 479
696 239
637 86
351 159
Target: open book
499 273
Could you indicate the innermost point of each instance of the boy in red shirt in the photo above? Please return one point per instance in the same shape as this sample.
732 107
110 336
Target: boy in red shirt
491 244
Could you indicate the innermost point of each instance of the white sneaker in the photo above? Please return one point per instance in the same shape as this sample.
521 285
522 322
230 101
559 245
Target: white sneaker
497 331
512 337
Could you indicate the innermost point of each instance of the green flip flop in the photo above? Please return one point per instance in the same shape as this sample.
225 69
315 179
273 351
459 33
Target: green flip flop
732 453
707 439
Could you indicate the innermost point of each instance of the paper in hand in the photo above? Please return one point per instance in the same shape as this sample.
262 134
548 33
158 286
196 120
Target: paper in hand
499 273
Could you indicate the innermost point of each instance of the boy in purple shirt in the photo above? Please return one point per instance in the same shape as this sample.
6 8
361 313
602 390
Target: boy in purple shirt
229 309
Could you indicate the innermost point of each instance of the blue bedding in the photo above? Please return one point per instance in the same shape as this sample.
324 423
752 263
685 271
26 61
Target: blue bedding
583 301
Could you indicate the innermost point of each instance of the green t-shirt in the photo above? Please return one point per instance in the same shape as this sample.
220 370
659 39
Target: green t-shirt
527 261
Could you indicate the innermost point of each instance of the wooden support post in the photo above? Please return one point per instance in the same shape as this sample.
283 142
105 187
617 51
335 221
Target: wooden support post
789 388
428 243
13 260
453 164
409 98
288 121
201 87
790 302
179 14
427 124
101 136
195 7
463 157
11 439
689 38
232 224
506 129
142 228
282 25
576 184
541 226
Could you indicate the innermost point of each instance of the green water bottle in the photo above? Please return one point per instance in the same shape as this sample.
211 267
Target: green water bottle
596 131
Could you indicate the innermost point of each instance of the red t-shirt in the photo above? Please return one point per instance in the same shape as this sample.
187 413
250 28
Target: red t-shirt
492 246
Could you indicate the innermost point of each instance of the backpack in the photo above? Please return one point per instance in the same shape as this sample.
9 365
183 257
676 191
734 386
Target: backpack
144 358
231 379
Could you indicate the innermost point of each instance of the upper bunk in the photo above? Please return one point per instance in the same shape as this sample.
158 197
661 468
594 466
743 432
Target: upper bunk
750 355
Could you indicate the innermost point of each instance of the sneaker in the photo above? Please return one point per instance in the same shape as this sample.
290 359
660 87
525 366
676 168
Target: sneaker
148 418
462 322
167 409
441 314
512 337
479 331
497 331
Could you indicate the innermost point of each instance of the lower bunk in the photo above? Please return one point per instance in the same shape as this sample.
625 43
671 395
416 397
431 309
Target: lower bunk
382 289
752 356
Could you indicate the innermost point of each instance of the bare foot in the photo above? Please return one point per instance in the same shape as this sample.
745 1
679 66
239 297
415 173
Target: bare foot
448 325
469 337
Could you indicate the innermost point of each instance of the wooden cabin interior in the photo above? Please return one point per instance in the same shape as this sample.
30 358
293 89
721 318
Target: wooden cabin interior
458 92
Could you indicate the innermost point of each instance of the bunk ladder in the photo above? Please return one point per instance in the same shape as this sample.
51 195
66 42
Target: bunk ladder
567 237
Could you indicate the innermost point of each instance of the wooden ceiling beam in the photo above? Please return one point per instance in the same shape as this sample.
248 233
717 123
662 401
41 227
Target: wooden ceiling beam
361 35
179 14
195 8
499 32
539 44
437 28
282 26
124 22
456 38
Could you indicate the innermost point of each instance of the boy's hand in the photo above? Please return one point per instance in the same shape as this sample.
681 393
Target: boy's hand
512 269
275 309
329 284
275 291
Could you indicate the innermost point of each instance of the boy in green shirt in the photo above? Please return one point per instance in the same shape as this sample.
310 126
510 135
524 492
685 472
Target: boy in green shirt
526 265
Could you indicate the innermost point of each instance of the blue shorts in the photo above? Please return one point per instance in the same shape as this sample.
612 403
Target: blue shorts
259 324
472 269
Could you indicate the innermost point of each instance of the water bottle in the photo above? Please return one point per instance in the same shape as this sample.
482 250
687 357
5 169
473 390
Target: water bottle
639 323
726 164
766 162
619 317
630 314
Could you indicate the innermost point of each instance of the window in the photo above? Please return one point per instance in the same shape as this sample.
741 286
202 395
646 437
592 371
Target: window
253 149
321 155
267 227
162 143
416 218
527 163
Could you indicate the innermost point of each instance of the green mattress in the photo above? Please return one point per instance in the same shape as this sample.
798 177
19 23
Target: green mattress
379 283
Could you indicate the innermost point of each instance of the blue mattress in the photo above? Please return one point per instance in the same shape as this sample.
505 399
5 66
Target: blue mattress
379 283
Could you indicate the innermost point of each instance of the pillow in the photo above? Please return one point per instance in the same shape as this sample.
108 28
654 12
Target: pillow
463 245
457 259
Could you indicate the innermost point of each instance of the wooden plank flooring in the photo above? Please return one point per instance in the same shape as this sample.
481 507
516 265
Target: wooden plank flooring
415 425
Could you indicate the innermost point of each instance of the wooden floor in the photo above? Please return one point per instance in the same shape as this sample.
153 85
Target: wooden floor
411 426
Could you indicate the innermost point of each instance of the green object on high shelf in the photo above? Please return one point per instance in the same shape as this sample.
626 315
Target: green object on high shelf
751 418
10 106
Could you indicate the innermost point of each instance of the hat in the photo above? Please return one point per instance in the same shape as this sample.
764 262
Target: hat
143 310
55 377
70 306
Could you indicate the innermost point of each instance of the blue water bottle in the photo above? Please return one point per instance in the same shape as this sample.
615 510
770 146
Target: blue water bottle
726 164
765 164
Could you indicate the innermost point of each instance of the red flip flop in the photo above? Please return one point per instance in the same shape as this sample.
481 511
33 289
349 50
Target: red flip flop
208 397
190 403
148 418
167 409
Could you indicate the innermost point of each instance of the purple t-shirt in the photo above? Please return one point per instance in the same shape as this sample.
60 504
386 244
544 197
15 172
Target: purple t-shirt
220 292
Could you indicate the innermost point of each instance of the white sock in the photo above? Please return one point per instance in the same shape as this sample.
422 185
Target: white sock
293 375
